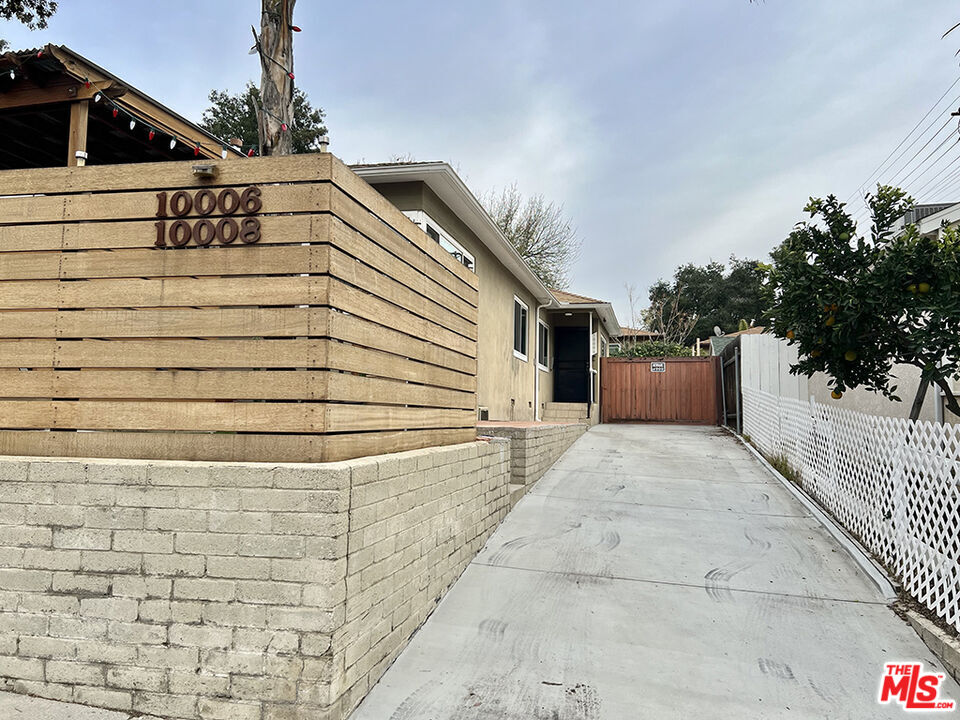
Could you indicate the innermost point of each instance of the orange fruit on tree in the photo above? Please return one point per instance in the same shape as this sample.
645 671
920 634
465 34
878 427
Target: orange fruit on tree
790 335
836 394
815 353
923 288
912 288
850 355
830 321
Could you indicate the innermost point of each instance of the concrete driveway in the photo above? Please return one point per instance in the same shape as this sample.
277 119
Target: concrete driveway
654 572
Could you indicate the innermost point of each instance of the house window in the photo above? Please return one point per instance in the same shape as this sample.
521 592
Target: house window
441 237
519 328
543 350
603 347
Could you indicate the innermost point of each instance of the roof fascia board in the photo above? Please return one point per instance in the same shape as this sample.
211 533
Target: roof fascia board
448 186
604 311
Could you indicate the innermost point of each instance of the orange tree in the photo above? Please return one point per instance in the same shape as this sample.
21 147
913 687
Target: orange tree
856 304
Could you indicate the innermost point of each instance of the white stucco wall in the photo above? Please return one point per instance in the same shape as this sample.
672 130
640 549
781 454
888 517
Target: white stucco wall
766 364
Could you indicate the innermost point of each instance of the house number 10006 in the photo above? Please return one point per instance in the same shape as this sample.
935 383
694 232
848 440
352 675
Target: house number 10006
204 202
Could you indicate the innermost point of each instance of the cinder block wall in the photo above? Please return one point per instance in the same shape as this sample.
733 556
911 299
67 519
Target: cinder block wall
534 449
231 591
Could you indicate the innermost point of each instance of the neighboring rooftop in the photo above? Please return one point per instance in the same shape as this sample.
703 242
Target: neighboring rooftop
627 332
574 299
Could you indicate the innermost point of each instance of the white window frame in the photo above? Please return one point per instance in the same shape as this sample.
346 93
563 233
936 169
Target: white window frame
526 334
421 220
546 354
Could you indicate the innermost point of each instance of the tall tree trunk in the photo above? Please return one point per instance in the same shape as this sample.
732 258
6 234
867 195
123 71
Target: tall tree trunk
276 85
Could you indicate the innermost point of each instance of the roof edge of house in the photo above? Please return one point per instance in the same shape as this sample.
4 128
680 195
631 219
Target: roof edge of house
444 181
450 188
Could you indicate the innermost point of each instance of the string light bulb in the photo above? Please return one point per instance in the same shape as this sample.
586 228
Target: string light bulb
13 75
96 98
133 124
283 127
290 75
250 152
173 143
223 153
295 28
196 150
115 112
152 134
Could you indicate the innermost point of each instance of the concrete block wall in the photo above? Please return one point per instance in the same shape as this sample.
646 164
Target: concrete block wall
533 449
416 521
210 591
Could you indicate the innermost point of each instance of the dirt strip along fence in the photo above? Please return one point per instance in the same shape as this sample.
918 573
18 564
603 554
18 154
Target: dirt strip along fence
282 310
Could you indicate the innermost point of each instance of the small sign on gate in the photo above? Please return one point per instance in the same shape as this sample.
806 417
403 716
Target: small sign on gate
658 367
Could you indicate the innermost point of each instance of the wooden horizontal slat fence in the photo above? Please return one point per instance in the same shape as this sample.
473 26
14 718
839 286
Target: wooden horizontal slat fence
341 331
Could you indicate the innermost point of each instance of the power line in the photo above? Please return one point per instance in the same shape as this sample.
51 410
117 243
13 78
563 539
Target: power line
907 136
901 181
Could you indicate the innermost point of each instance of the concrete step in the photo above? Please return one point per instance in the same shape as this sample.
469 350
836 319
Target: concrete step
565 412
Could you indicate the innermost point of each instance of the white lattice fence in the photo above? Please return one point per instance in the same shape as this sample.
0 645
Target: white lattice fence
892 482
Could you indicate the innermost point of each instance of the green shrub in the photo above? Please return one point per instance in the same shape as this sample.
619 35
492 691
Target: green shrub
652 348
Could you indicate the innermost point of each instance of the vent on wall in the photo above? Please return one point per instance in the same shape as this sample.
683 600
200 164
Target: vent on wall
484 413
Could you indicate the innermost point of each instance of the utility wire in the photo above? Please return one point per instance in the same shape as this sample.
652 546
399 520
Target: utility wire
897 180
907 136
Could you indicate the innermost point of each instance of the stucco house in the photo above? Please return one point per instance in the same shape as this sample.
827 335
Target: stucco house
539 349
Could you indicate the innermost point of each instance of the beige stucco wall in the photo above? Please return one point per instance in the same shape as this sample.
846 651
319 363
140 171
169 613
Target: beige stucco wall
505 384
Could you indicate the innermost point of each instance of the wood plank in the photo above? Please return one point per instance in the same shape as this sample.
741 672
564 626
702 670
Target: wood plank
167 292
347 387
165 322
447 270
365 196
223 353
359 331
356 302
234 416
164 262
143 205
55 93
79 119
141 234
352 358
224 385
347 269
225 447
158 415
350 418
175 175
417 276
165 353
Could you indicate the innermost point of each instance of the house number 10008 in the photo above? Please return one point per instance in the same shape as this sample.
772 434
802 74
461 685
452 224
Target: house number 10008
204 202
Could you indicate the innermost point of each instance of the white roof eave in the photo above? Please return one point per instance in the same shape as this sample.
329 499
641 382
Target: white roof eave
448 186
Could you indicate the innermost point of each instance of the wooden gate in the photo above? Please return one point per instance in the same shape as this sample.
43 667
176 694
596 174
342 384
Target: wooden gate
676 390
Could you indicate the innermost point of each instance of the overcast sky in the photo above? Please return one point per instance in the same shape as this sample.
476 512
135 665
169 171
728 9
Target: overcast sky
672 132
